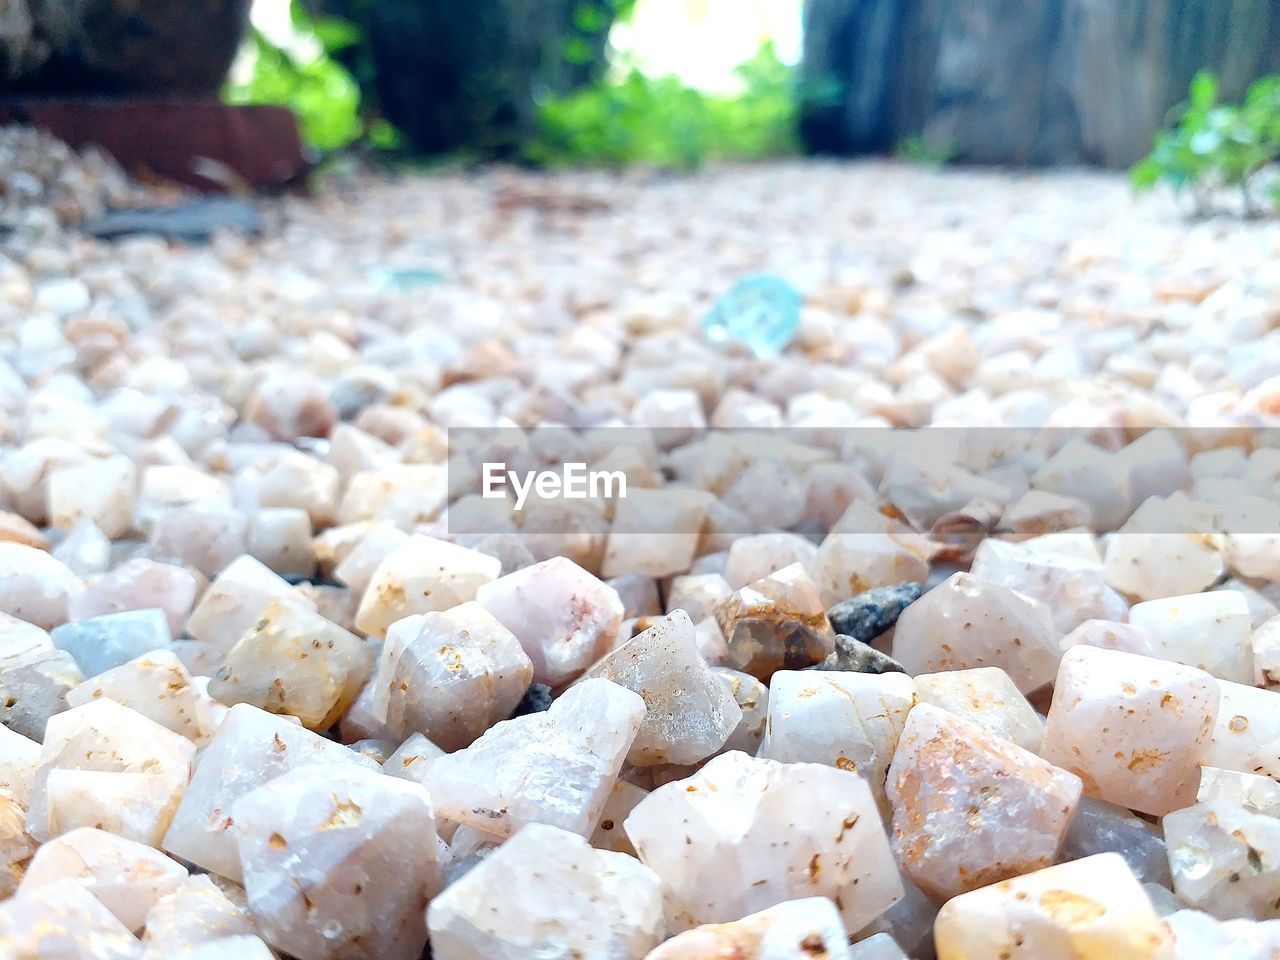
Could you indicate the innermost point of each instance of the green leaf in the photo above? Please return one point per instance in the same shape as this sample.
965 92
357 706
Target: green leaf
1204 89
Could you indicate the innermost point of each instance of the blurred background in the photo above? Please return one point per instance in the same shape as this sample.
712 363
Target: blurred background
667 83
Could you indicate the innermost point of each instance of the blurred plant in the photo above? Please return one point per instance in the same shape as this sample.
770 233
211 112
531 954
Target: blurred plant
662 122
307 79
924 152
1214 145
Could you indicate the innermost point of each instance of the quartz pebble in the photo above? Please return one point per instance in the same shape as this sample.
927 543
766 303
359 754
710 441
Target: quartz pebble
1206 630
970 808
196 911
1197 935
19 758
101 643
1246 734
752 698
159 687
689 712
16 847
769 832
449 675
1101 827
564 617
338 863
794 930
1225 860
34 586
1090 909
234 601
1132 728
63 920
1259 794
848 720
139 584
554 767
985 696
1073 588
778 623
576 902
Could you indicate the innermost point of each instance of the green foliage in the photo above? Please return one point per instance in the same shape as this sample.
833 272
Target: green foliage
924 152
1213 145
662 122
316 87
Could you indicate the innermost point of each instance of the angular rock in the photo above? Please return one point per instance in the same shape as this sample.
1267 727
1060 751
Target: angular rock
1266 654
250 748
563 616
205 536
1132 728
1087 908
33 686
535 700
127 877
357 568
766 832
1101 827
1210 631
752 698
450 675
577 902
849 564
63 921
846 720
104 642
19 759
84 550
689 712
697 594
1111 635
854 656
102 491
34 586
280 537
420 576
1225 860
159 687
1246 734
195 912
1148 566
232 603
139 584
339 862
1257 794
609 834
655 532
985 696
241 947
294 661
777 623
1198 935
794 930
870 614
970 808
410 759
128 753
16 847
1074 588
755 557
966 622
555 767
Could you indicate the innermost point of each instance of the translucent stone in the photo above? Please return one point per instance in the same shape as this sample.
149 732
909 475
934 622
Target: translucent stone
159 687
289 479
1111 636
847 720
909 922
966 622
752 698
970 808
339 862
165 486
985 696
609 834
1197 935
1153 565
1225 860
102 491
420 576
34 586
852 563
101 643
294 661
450 675
564 617
577 902
655 532
1098 477
194 912
878 947
638 593
1090 909
1038 512
403 494
1132 728
1246 734
1101 827
1266 654
760 311
778 623
19 758
16 529
139 584
250 748
63 921
33 687
1073 588
280 537
15 846
233 602
553 767
1258 794
697 595
1206 630
689 711
127 877
357 568
205 536
125 749
794 930
360 722
749 834
754 558
289 404
411 758
84 550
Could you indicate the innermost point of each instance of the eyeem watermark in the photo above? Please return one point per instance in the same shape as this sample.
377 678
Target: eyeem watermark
574 482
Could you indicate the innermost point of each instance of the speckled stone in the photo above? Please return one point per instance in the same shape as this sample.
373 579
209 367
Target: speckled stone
985 696
794 930
1246 734
778 623
159 687
870 614
854 656
63 921
1225 860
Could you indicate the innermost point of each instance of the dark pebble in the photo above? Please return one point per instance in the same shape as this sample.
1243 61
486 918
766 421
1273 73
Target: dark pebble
854 656
870 614
535 700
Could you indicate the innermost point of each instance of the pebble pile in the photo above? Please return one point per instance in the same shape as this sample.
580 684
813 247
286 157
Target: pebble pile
797 694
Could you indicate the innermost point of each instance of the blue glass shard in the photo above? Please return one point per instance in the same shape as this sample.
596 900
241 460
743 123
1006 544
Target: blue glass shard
760 311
